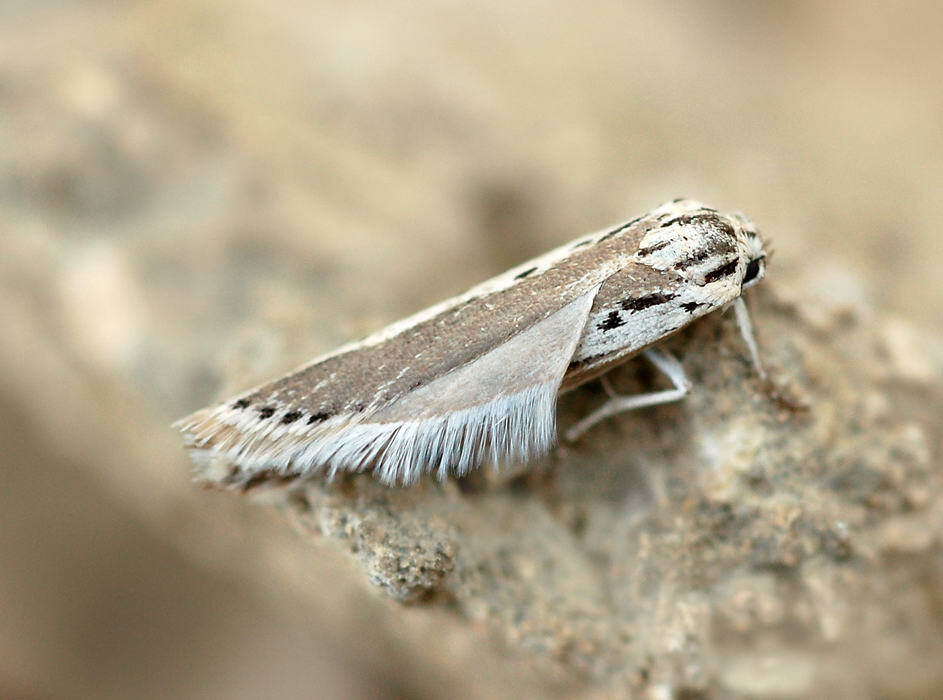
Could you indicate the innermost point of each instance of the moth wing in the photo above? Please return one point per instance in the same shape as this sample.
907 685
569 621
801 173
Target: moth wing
498 408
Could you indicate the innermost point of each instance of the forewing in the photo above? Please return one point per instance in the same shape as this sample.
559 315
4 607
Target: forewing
499 407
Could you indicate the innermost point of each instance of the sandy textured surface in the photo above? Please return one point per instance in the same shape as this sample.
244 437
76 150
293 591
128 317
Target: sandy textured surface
196 196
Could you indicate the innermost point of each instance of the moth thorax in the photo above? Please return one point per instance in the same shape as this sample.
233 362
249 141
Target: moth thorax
701 247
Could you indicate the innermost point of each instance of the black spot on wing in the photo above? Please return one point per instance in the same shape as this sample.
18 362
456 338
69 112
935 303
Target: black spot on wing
642 252
692 306
291 417
721 272
647 301
526 273
703 216
613 320
699 256
317 417
266 412
620 228
241 403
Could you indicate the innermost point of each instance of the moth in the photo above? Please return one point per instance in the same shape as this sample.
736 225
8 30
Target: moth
475 379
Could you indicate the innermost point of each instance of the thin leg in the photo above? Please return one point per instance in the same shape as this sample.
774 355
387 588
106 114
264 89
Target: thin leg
746 330
607 386
619 404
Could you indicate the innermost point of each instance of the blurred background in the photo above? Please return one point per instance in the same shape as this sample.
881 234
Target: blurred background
198 194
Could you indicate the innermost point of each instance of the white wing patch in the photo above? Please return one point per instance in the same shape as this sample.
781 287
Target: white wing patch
499 408
637 331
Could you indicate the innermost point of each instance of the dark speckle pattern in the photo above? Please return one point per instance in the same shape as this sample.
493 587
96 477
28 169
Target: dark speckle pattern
291 417
721 272
647 301
693 259
613 320
642 252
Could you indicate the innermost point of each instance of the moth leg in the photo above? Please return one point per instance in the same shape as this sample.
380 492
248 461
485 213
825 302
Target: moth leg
618 403
607 386
746 331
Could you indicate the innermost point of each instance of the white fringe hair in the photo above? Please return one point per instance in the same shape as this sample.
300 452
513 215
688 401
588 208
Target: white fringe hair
507 430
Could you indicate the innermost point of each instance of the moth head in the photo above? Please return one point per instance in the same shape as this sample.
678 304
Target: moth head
718 253
752 250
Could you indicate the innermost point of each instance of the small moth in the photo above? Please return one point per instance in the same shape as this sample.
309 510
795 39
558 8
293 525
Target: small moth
475 379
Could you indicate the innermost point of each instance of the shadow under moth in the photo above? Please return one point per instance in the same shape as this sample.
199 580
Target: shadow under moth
474 380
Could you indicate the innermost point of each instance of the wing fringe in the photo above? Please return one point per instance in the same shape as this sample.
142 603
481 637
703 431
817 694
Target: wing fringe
506 430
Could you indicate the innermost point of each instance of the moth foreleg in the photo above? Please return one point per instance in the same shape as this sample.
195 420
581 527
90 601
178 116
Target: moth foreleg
618 403
746 331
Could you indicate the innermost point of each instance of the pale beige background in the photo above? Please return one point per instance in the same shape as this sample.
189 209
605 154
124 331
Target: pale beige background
195 194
